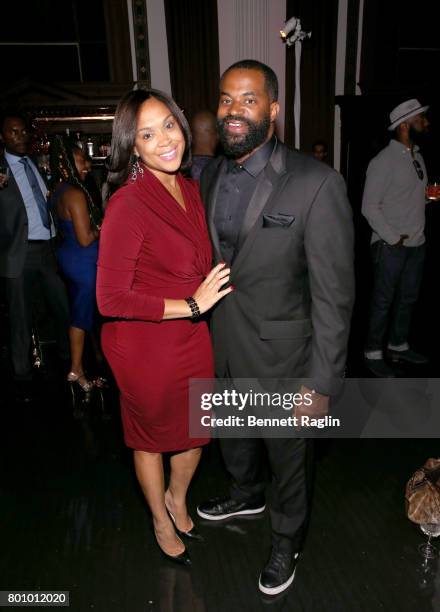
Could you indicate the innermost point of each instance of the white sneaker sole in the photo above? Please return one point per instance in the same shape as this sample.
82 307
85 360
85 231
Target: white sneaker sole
220 517
279 589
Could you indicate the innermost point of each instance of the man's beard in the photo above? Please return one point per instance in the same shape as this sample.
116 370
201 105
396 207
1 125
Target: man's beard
238 145
418 138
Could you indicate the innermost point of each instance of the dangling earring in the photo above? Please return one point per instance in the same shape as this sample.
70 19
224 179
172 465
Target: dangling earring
136 169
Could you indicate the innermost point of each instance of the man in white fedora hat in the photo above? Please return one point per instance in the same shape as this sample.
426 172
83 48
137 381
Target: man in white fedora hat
394 206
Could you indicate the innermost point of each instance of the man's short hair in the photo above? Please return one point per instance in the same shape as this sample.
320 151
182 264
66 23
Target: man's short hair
270 78
320 143
11 112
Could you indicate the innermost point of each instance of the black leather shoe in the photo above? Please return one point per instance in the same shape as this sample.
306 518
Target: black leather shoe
379 368
224 507
182 559
409 356
278 573
24 392
192 534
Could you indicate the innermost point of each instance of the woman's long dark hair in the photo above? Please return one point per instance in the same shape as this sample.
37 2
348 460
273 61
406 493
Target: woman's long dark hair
63 168
124 133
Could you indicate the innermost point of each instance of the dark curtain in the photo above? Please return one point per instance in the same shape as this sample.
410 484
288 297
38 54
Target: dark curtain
317 73
192 32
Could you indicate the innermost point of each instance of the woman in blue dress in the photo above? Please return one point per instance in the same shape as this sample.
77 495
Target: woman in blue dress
78 225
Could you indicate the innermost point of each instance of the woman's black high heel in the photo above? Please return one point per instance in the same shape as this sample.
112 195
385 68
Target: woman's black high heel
192 535
182 559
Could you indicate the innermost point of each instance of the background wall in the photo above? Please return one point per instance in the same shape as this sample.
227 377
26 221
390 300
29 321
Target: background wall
193 50
250 29
158 46
79 57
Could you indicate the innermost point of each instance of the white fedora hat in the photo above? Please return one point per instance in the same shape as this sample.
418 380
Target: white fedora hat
404 111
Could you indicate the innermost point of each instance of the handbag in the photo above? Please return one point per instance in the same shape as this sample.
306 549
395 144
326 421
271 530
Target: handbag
422 494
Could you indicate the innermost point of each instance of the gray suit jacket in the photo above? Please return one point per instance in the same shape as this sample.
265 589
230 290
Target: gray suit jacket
289 316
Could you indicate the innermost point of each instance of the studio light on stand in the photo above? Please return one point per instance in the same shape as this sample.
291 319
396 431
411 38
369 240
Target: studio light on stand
292 33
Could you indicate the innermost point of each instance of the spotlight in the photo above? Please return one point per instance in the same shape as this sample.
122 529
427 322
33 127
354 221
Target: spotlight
289 26
293 25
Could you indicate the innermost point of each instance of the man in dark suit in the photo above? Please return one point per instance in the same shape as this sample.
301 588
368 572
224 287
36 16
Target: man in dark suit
26 253
283 223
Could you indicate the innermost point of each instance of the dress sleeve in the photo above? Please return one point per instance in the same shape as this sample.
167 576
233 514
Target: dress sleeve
122 235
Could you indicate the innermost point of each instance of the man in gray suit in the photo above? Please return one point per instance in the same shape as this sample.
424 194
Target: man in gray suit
26 253
283 223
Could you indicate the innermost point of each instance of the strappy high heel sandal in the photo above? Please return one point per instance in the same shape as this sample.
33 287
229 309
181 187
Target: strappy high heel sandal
81 381
100 382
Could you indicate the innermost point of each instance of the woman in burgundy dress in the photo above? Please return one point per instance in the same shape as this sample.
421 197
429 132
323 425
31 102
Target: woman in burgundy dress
154 280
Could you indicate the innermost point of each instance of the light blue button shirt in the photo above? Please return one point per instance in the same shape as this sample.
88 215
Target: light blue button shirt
36 229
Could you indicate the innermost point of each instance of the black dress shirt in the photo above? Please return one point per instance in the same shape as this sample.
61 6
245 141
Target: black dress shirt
236 189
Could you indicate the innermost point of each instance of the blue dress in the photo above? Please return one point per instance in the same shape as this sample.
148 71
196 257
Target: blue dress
78 266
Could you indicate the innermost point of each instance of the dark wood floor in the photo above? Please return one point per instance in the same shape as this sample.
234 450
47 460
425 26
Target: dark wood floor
72 518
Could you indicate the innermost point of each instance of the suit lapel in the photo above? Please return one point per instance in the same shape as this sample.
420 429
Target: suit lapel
261 202
213 188
261 195
12 186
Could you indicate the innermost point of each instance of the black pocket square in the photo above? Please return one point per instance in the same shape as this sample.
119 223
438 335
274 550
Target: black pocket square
278 220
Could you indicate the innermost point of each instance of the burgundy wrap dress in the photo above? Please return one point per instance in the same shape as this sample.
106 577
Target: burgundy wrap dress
151 249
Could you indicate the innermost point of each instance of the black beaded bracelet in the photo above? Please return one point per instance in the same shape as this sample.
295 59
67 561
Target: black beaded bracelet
195 310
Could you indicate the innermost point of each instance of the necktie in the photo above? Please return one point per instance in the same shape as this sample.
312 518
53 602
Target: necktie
38 195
